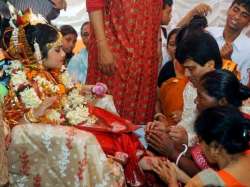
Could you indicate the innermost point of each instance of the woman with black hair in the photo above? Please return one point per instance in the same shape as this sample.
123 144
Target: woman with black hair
224 136
215 88
171 83
221 87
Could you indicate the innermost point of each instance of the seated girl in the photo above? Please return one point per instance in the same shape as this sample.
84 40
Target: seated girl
224 136
40 91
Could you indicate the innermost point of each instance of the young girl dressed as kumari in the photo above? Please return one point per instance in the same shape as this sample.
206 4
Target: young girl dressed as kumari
41 92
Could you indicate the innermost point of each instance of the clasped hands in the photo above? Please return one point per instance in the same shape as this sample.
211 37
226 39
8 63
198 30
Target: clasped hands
165 138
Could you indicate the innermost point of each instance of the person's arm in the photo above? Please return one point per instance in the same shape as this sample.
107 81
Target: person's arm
59 4
200 9
105 56
158 102
164 145
186 164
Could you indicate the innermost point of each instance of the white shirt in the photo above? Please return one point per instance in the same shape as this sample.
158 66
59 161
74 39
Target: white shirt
241 51
189 113
216 18
181 7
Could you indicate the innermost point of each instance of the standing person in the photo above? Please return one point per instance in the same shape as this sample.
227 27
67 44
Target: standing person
78 64
123 53
49 9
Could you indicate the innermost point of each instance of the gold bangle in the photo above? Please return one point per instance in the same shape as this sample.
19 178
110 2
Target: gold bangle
30 116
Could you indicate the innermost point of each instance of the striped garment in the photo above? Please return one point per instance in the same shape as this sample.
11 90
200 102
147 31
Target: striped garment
43 7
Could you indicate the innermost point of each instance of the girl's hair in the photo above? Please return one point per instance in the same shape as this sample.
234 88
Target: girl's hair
225 126
68 29
172 32
37 34
224 84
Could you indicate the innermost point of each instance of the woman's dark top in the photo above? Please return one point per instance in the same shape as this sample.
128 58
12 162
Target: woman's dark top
167 72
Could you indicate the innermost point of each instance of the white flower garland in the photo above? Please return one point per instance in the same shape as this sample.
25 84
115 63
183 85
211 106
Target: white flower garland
44 83
14 65
74 104
18 78
55 116
76 109
66 80
30 98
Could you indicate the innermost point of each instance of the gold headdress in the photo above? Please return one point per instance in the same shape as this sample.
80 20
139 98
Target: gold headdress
18 47
57 43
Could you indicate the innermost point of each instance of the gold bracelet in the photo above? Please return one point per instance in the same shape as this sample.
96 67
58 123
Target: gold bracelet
30 116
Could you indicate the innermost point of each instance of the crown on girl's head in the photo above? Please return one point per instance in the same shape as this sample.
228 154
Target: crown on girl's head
18 47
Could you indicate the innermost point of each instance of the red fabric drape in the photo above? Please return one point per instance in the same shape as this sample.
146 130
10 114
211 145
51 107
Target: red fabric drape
113 139
93 5
131 28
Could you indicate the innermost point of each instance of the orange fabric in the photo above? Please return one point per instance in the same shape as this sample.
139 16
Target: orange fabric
131 28
1 55
171 95
228 179
231 66
78 47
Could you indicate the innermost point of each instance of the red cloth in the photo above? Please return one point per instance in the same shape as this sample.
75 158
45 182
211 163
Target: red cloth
93 5
120 140
131 28
199 158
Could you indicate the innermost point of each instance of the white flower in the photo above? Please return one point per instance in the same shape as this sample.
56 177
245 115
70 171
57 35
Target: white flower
19 78
54 115
66 80
63 68
14 65
30 98
76 109
44 83
78 115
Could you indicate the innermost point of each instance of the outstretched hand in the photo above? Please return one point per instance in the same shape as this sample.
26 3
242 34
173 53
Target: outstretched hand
166 171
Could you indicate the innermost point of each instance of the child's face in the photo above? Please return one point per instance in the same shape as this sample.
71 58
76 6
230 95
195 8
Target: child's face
166 15
56 58
69 42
